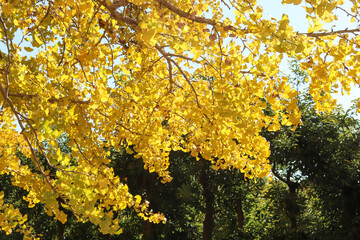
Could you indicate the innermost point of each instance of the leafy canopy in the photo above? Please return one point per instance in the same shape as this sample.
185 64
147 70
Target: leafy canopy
153 76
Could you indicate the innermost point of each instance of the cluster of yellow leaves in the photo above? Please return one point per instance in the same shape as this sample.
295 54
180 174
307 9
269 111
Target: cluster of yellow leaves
152 76
12 220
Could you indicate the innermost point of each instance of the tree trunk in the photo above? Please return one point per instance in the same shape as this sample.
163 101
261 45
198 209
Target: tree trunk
148 227
349 213
293 206
61 229
148 230
208 224
240 214
60 226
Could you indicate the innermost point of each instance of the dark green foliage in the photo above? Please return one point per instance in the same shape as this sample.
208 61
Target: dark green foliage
320 159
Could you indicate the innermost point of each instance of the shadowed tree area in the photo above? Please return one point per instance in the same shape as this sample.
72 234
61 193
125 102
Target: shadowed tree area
313 195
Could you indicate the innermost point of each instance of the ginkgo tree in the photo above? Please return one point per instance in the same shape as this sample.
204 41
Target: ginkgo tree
152 76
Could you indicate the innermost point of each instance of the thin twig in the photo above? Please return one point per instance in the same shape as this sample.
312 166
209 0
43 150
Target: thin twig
181 71
321 34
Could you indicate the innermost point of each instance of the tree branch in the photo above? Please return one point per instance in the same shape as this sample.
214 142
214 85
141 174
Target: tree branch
181 71
194 18
33 152
50 100
118 16
321 34
278 175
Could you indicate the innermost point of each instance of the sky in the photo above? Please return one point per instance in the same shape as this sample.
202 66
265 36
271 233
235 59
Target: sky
297 17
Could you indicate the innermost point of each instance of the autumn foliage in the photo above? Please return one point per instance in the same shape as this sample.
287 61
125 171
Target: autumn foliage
151 76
